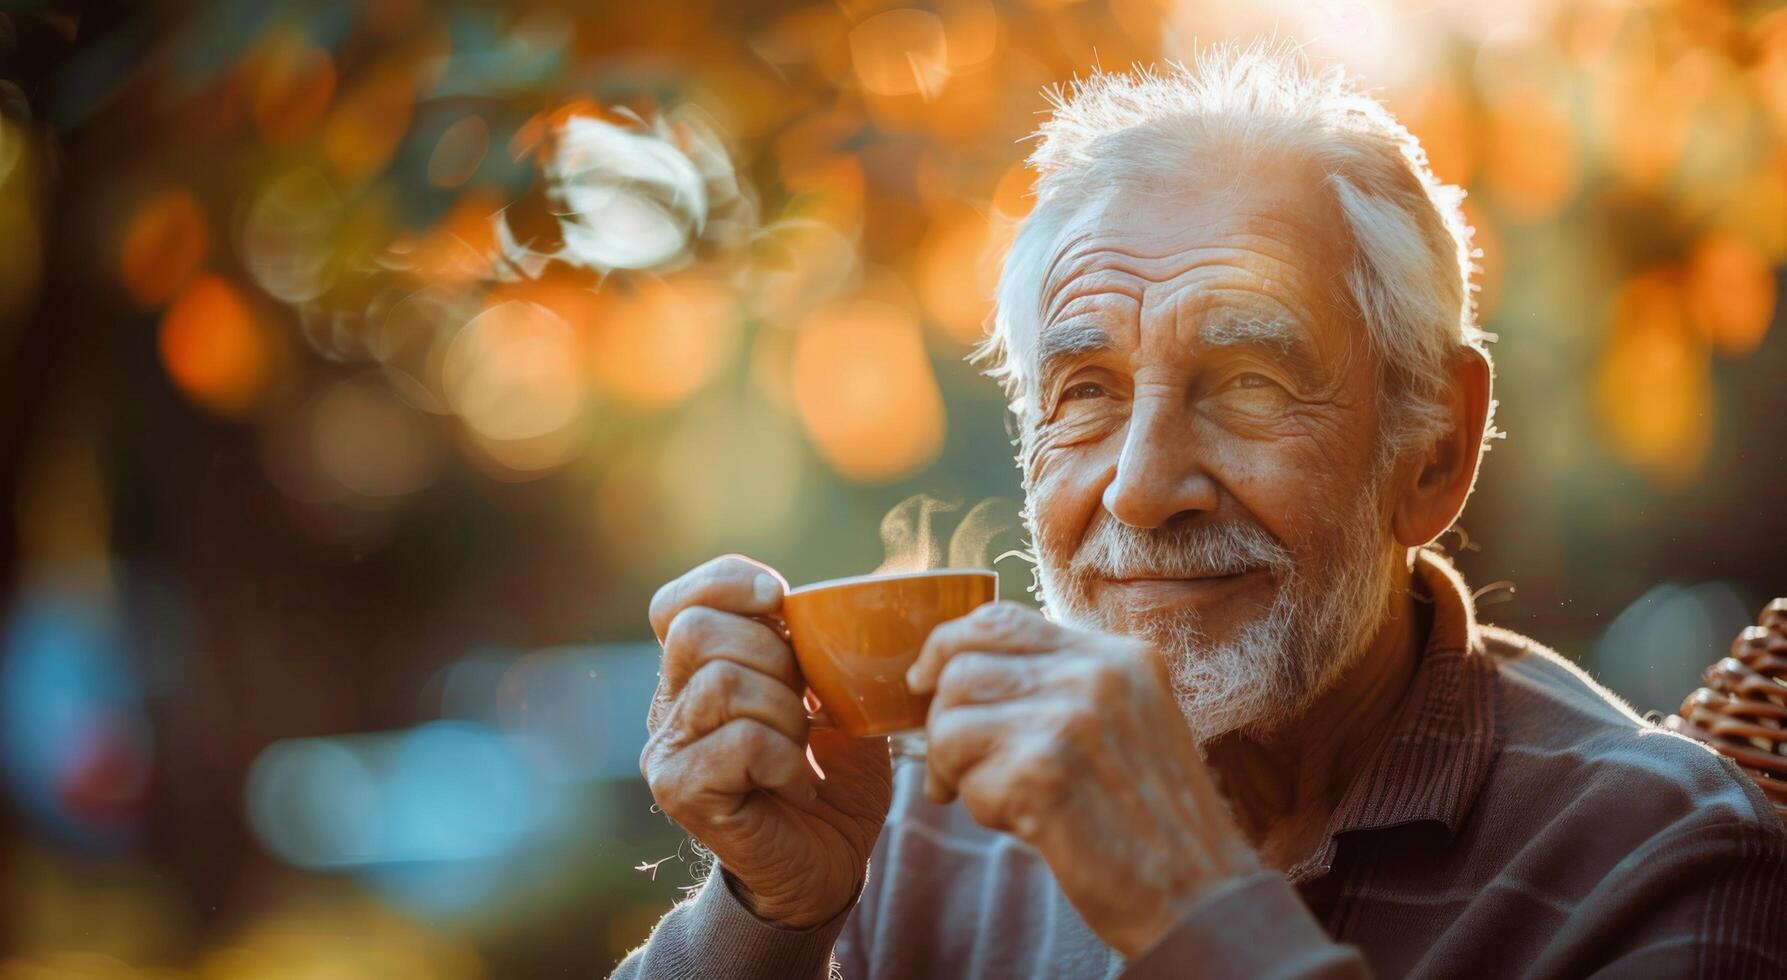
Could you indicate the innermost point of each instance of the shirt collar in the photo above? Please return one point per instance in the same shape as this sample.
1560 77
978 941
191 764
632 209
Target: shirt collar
1444 736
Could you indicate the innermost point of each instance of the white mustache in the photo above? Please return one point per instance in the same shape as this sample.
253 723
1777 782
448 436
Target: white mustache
1117 550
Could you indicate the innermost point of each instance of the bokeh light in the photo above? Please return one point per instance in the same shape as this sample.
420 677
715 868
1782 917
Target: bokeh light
865 391
215 350
656 341
513 375
1731 291
1653 392
164 247
901 52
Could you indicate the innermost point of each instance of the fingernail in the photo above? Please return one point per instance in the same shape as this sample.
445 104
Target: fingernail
912 678
765 589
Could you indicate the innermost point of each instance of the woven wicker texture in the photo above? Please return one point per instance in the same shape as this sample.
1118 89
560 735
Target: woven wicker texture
1742 710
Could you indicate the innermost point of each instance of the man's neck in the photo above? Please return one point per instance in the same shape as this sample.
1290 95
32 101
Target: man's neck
1284 787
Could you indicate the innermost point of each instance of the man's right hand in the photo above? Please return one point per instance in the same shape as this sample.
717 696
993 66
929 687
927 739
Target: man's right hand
727 757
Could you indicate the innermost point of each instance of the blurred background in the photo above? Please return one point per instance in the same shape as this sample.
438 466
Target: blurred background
366 365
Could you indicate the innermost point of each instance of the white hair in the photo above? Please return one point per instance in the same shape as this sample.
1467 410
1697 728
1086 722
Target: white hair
1409 277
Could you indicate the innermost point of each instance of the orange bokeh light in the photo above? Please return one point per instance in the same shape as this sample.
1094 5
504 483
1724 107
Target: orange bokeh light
215 350
293 83
1730 292
659 341
958 270
1530 164
901 52
1653 391
164 246
461 248
865 391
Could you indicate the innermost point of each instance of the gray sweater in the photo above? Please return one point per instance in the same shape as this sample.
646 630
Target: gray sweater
1518 820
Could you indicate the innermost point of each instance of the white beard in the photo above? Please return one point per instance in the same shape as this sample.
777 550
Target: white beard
1329 604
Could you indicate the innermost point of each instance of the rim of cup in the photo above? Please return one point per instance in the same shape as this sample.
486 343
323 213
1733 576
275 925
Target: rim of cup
889 577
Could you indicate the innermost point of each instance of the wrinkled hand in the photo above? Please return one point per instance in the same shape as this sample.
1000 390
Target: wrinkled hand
727 757
1073 742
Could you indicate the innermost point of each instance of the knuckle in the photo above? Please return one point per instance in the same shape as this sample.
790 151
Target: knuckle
692 629
1042 777
753 737
1001 616
956 673
715 682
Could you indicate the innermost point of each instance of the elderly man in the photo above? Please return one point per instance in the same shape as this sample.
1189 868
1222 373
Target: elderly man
1259 731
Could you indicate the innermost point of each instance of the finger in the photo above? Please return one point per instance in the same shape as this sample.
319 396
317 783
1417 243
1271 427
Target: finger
722 691
972 677
997 627
765 757
738 757
732 583
961 738
702 634
1015 792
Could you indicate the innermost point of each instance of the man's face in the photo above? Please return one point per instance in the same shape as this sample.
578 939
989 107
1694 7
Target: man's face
1199 461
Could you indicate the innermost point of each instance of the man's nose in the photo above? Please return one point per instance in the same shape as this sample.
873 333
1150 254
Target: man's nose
1161 474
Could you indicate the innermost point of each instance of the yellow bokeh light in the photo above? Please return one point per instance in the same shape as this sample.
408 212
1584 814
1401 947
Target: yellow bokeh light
1653 390
728 474
366 127
658 341
901 52
1730 292
369 443
164 246
215 350
865 391
512 374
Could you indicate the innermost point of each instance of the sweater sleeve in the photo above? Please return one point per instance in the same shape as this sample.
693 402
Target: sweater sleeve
1253 927
714 935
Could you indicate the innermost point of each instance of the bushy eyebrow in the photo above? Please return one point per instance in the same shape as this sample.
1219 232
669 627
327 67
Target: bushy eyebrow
1289 345
1060 344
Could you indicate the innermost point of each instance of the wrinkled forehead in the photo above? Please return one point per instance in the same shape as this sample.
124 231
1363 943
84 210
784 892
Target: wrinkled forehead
1282 226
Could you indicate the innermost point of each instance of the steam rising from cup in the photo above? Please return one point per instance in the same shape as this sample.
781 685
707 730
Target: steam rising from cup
911 541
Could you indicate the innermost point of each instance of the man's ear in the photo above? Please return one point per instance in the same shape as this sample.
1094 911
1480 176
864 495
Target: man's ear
1443 477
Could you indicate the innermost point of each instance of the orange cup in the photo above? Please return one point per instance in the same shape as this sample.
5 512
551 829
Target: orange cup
855 637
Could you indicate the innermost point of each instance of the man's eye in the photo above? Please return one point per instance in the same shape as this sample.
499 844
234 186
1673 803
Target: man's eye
1085 389
1250 380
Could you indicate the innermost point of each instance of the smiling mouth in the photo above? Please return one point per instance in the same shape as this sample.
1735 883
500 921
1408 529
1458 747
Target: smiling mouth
1137 579
1176 586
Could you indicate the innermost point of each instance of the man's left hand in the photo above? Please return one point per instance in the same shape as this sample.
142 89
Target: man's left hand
1073 742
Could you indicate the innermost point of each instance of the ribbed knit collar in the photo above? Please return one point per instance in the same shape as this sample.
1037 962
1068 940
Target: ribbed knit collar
1443 737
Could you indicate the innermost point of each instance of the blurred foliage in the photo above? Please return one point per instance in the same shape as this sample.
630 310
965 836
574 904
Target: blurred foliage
344 341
